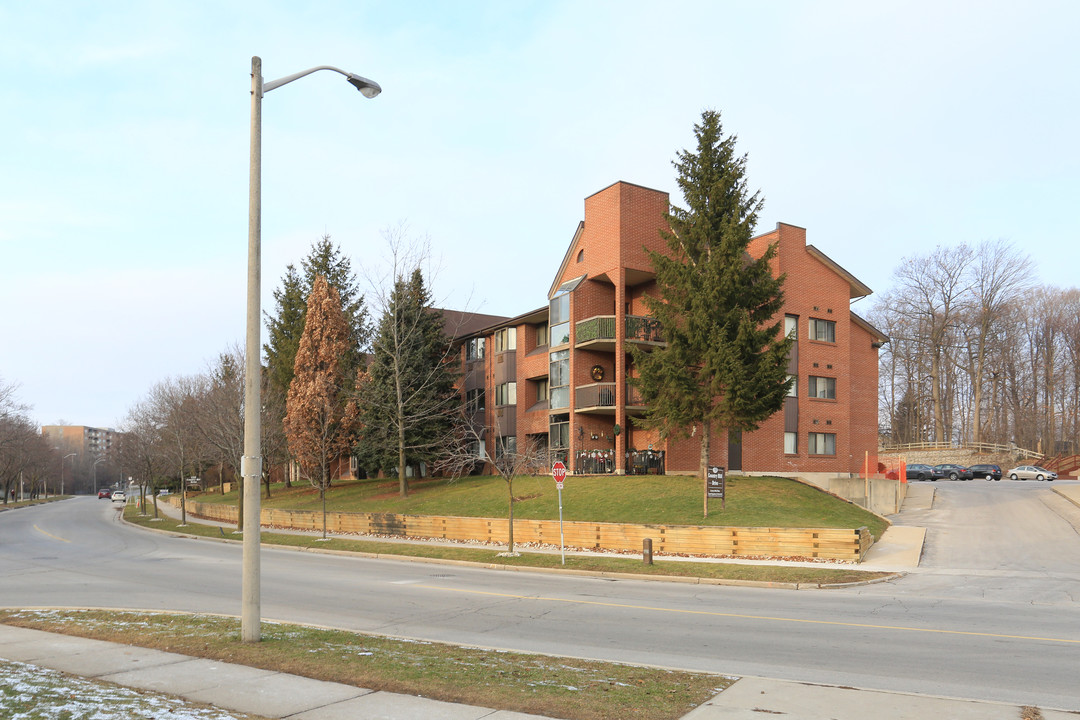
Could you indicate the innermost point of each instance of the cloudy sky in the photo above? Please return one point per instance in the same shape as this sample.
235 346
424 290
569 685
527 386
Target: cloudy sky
884 128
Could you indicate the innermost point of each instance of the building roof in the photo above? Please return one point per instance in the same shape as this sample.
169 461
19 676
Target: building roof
879 336
458 324
858 288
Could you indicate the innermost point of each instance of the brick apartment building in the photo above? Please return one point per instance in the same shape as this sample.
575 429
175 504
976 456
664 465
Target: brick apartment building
558 375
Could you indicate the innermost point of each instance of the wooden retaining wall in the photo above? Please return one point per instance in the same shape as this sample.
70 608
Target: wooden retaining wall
824 543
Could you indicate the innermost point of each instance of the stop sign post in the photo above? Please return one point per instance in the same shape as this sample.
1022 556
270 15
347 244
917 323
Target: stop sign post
558 471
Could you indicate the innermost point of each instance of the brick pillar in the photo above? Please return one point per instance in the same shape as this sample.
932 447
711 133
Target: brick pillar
620 370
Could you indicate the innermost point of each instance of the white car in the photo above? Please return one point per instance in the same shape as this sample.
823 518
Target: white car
119 496
1031 472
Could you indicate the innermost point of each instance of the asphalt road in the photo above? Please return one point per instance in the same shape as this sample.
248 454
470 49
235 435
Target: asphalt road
991 615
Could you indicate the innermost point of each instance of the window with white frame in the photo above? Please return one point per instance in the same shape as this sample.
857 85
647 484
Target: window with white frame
791 443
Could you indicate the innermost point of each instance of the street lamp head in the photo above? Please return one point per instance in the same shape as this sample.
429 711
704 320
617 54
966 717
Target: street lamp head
369 88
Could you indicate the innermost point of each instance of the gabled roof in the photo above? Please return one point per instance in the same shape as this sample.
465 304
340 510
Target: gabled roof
566 259
858 289
879 336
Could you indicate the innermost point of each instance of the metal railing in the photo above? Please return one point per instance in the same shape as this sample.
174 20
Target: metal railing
602 327
646 462
975 447
594 462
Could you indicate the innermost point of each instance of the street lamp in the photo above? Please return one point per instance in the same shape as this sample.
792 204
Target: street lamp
70 454
94 468
251 462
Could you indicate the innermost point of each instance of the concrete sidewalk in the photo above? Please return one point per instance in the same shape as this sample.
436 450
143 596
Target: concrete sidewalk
276 695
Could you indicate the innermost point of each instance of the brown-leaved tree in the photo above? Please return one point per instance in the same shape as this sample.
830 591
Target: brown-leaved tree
317 424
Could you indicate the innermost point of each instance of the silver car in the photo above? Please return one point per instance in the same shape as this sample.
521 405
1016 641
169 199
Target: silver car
1031 472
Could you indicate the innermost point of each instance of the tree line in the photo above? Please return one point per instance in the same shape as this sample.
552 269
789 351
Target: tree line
28 463
979 352
335 385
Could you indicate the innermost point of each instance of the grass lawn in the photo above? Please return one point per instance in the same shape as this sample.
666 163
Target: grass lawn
645 499
552 686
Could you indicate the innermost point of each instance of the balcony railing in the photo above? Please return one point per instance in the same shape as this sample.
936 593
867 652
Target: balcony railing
601 328
595 395
602 395
646 462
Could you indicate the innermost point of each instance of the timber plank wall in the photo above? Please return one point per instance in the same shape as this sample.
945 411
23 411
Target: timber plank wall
823 543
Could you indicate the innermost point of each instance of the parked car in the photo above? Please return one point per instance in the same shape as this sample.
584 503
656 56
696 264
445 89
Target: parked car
950 471
918 471
104 493
1031 472
119 496
990 472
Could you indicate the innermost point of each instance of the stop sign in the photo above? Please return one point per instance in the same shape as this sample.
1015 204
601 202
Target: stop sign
558 471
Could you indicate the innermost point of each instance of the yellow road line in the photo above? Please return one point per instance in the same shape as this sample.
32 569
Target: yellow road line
752 617
50 535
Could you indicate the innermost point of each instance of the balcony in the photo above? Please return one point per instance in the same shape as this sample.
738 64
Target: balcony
599 399
598 332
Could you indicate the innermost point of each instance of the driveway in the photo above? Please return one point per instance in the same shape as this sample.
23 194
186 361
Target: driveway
1007 541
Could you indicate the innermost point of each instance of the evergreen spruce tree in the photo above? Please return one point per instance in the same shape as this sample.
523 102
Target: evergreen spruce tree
725 363
286 326
407 398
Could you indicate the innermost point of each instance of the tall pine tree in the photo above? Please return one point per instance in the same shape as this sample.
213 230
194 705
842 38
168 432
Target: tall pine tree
725 363
408 401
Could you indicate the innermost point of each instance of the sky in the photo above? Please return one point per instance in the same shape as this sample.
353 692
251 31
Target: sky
884 128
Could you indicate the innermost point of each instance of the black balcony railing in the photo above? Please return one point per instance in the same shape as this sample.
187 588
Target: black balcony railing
646 462
594 462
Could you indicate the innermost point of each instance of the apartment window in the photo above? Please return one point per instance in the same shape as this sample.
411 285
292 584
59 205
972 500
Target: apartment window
474 350
559 379
505 339
791 326
822 330
793 391
474 400
505 446
478 449
506 394
791 443
559 432
559 319
821 387
541 335
541 390
821 444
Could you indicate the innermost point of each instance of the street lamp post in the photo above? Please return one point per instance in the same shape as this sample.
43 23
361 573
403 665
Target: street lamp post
69 455
251 463
94 468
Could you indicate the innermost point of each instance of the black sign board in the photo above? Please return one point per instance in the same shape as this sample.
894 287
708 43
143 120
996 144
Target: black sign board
714 482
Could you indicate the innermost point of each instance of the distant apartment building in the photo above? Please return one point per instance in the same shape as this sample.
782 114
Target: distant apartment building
559 376
87 442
